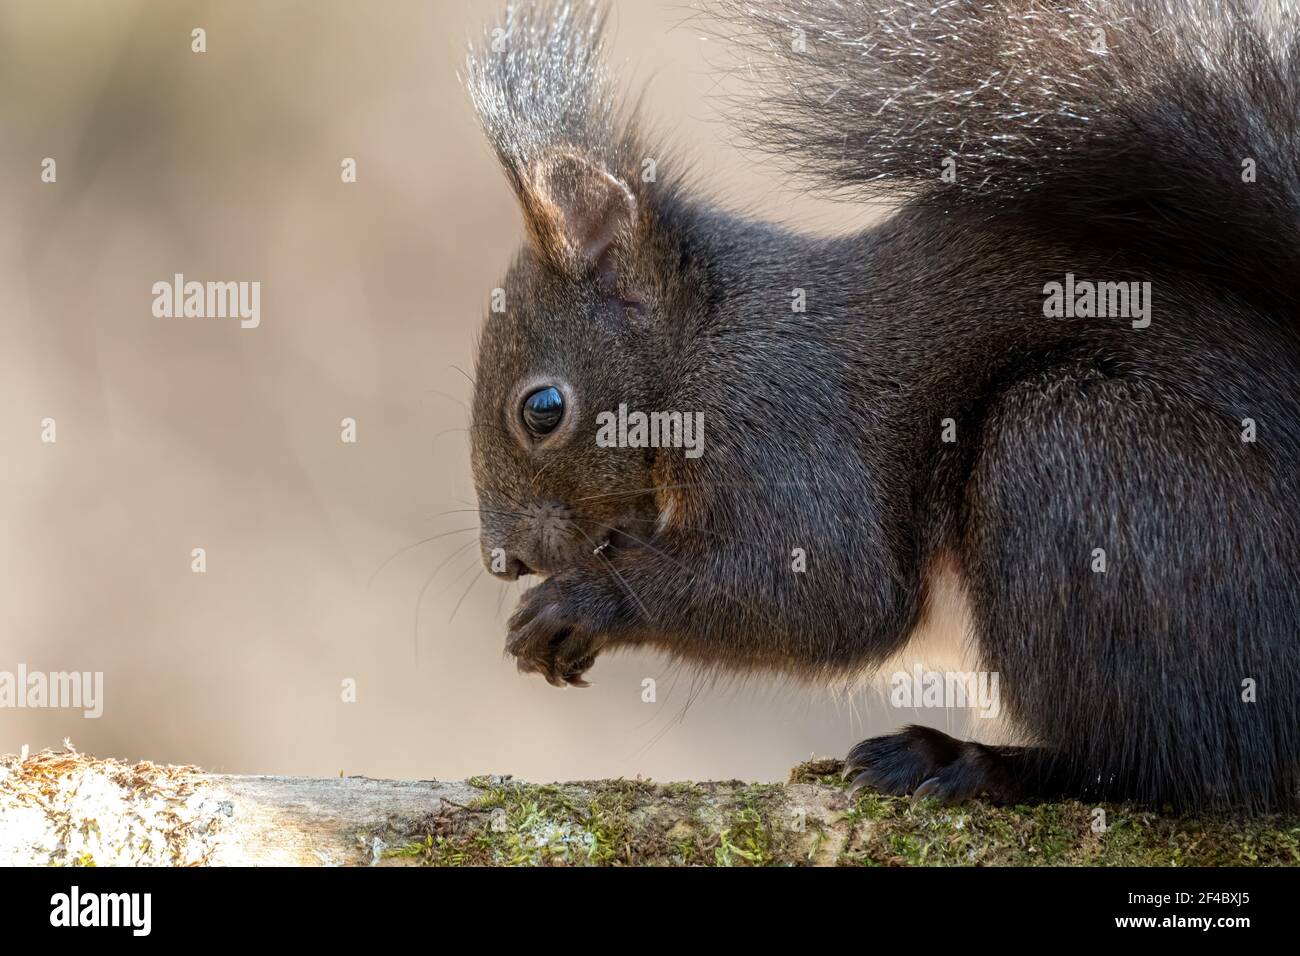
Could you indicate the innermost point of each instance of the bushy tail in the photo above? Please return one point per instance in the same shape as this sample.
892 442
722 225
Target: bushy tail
1167 126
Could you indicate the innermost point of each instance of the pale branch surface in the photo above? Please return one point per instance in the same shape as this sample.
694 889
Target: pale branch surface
66 808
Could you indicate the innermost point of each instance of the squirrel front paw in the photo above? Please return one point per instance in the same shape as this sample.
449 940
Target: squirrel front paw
556 633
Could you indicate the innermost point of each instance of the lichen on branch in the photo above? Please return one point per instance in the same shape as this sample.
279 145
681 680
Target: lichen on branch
71 809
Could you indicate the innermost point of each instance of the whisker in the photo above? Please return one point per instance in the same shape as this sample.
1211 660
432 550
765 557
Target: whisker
419 601
468 377
389 560
697 484
475 511
456 580
715 534
448 431
675 721
694 573
448 395
614 571
540 470
465 595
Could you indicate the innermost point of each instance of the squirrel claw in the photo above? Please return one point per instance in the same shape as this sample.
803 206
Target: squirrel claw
549 634
927 763
861 782
928 788
575 672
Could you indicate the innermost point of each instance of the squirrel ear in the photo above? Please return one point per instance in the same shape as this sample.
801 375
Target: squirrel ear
574 210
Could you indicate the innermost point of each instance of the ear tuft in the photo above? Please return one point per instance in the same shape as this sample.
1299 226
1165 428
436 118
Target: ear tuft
549 106
574 210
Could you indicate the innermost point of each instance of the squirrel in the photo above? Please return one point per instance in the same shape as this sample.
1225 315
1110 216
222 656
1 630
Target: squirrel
1066 366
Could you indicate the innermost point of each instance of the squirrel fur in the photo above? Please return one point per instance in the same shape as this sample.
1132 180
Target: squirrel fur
924 410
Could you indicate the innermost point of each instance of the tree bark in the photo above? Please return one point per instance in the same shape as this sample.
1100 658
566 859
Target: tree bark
65 808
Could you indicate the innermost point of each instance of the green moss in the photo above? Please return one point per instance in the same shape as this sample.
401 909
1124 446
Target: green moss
813 821
533 825
893 831
745 841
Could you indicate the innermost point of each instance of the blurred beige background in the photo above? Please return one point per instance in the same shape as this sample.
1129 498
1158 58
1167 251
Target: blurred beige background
182 433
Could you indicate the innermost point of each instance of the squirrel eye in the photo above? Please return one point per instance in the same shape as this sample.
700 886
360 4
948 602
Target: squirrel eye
543 410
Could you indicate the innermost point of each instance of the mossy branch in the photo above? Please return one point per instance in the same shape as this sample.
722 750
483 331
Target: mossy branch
71 809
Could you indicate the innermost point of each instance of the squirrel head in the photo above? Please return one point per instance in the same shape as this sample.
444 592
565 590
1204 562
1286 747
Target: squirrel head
575 338
590 304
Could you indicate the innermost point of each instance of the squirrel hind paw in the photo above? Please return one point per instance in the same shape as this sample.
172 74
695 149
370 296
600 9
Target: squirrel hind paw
925 763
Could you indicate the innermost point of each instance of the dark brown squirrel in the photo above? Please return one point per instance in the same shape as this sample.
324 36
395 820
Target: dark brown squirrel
1068 366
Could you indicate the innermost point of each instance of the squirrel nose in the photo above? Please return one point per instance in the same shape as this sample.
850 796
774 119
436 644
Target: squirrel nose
512 568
